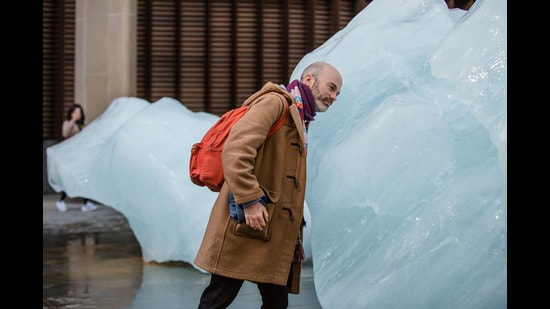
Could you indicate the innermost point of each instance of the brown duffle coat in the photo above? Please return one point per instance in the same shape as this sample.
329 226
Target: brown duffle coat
254 166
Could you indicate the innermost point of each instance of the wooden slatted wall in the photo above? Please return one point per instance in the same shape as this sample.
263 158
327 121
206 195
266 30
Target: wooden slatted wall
58 48
212 54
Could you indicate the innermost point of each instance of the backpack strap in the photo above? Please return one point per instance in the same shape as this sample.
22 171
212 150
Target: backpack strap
279 123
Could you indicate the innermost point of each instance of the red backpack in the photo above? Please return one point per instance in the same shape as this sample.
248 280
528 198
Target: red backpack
205 164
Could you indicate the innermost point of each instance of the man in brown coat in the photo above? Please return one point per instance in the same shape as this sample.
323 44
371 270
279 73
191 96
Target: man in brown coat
255 228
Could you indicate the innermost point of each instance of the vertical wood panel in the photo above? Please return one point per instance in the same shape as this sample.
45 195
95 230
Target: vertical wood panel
274 47
163 50
58 68
49 68
300 33
193 54
144 52
246 50
220 54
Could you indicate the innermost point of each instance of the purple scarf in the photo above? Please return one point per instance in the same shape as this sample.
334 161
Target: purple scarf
305 102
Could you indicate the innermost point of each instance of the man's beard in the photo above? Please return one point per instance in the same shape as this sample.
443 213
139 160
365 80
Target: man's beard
317 97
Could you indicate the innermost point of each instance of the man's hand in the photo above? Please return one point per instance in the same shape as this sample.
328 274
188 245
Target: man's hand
256 216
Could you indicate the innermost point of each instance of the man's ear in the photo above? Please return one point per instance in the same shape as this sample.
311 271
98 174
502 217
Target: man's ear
308 80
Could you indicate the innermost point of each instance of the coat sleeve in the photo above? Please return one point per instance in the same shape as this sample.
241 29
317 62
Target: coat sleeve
241 146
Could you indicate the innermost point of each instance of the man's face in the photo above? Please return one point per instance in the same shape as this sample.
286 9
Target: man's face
325 89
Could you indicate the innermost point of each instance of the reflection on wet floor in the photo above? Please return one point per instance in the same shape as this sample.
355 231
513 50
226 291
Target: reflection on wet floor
99 270
93 260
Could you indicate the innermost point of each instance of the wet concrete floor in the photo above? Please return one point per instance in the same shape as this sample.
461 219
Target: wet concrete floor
93 260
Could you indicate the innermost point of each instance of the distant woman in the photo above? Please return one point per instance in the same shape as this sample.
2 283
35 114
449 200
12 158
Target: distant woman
74 123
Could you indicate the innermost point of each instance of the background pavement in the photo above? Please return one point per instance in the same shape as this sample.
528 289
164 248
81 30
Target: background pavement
93 260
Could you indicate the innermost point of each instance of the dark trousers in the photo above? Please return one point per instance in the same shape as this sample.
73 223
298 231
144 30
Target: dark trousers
221 292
